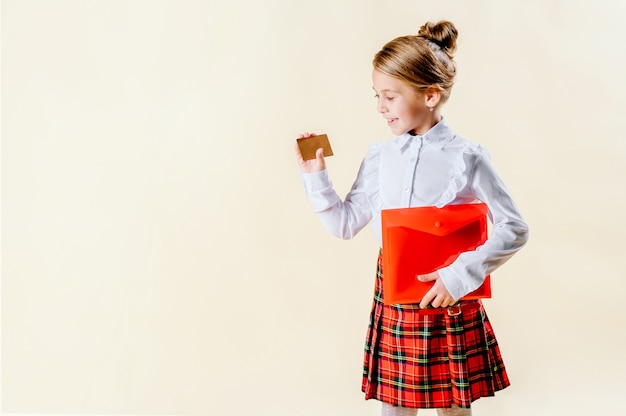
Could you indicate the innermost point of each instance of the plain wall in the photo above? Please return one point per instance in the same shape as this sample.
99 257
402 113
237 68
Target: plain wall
159 255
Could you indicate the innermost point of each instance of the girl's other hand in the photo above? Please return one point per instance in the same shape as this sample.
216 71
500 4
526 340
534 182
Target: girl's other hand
438 295
314 165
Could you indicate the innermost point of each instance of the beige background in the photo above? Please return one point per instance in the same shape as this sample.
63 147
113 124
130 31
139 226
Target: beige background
158 253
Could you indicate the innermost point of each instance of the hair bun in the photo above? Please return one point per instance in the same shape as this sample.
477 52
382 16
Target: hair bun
442 33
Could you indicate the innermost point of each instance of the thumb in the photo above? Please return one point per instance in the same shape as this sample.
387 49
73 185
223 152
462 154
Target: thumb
319 155
428 277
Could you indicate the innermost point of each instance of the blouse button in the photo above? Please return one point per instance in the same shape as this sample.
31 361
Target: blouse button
437 224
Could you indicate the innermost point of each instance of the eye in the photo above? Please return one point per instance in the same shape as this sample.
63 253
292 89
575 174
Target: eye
390 98
376 95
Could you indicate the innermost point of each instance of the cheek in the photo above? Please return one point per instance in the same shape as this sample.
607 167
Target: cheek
398 108
416 113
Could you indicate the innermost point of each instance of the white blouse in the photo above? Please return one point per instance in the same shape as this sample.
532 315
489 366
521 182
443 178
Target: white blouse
436 169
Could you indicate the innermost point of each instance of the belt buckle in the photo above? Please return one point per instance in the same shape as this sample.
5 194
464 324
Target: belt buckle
454 310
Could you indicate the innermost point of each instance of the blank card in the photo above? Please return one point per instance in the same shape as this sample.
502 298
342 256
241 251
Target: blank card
308 146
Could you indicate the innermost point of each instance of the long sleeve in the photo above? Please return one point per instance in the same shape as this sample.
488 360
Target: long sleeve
346 218
509 233
436 169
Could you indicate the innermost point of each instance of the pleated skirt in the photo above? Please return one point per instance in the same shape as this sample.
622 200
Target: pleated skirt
430 358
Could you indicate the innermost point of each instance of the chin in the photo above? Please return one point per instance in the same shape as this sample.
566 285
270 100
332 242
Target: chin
398 131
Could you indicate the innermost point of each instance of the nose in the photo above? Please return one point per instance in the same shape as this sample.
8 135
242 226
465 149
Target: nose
380 107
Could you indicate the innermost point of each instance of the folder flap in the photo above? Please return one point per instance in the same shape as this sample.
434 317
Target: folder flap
433 220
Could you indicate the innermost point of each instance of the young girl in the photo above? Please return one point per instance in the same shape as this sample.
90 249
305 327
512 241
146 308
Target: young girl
440 353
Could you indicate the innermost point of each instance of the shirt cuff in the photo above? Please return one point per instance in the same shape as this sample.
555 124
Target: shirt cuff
316 181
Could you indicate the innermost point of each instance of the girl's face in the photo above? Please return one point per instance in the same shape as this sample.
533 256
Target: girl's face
404 108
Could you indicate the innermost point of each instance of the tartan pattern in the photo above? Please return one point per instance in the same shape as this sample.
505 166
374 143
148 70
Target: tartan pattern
429 359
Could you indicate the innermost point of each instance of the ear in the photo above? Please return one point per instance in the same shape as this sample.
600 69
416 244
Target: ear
432 96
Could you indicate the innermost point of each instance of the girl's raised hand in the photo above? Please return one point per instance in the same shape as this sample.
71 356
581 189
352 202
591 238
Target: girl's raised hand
314 165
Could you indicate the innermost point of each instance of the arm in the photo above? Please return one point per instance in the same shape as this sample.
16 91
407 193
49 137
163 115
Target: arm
509 234
344 219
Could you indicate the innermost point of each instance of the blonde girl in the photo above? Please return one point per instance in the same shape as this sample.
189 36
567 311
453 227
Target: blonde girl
440 353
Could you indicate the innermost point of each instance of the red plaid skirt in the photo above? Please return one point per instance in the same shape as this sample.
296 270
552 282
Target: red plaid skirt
430 358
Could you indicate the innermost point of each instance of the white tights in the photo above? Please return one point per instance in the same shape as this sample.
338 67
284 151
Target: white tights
389 410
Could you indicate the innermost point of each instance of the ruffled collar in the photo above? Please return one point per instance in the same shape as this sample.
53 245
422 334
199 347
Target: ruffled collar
438 136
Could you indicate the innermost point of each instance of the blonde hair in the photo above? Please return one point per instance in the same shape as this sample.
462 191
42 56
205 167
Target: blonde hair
424 60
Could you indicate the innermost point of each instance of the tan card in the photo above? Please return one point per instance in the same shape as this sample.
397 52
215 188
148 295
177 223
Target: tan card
308 146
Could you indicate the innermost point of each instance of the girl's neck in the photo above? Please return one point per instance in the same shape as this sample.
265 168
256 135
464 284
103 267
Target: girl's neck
429 124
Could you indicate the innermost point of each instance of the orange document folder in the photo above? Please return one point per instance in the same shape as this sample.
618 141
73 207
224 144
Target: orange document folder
425 239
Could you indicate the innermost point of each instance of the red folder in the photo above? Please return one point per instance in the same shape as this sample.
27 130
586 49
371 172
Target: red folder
425 239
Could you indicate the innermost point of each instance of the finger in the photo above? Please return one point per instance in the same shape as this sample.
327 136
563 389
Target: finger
437 302
428 277
428 297
446 302
305 135
319 155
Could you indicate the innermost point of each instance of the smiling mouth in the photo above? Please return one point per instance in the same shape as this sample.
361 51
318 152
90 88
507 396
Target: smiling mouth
391 120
